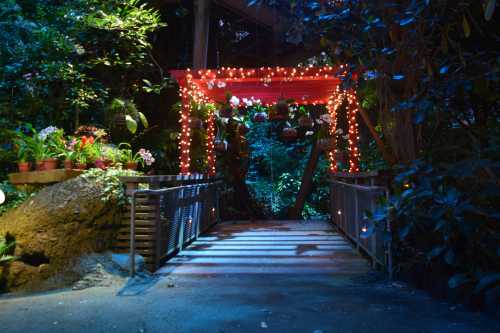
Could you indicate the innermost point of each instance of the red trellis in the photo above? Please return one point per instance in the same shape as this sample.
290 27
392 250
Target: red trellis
305 85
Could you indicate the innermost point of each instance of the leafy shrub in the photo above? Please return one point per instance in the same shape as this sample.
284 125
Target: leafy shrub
6 249
13 197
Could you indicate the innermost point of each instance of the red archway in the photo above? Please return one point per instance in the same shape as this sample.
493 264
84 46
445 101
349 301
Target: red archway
305 85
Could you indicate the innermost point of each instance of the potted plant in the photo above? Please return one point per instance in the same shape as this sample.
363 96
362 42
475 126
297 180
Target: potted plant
23 153
305 121
38 150
131 160
220 145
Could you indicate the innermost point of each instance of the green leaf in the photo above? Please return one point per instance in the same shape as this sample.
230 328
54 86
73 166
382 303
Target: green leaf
489 9
131 124
466 27
144 120
436 251
458 280
487 281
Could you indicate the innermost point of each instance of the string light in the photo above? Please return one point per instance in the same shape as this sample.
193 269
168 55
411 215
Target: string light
191 92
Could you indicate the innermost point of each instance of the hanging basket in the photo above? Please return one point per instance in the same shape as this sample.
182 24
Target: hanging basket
274 116
282 107
306 122
289 134
243 129
325 144
220 146
260 117
226 113
195 123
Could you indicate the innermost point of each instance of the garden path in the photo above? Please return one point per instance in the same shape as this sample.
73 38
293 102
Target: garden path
249 277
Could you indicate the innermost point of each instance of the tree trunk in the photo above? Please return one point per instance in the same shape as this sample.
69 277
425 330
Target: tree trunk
306 183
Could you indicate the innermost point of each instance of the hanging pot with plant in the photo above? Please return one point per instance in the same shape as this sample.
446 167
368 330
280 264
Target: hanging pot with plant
326 144
220 145
306 122
195 123
289 133
260 117
123 114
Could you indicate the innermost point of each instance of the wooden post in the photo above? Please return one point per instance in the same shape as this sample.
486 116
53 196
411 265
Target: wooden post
201 33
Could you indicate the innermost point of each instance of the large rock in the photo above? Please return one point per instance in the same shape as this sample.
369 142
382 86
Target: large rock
54 228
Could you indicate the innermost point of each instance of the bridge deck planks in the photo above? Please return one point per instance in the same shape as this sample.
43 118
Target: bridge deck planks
268 247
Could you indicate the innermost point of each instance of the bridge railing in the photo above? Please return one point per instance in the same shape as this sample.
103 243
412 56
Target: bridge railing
351 196
165 213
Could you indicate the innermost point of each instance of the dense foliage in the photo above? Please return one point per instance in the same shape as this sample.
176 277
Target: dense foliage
63 63
430 70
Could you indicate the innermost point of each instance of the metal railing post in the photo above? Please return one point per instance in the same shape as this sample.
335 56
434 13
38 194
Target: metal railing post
132 234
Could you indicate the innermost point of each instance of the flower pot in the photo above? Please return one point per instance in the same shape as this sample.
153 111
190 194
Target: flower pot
260 117
81 166
50 164
131 165
325 144
289 134
23 166
220 146
306 122
274 116
101 164
39 165
195 123
226 113
282 108
68 164
243 129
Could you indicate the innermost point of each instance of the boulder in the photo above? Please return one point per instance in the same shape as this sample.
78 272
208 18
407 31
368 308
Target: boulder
54 228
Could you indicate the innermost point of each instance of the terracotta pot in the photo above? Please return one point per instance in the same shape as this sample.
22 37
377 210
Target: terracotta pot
306 122
282 108
243 129
23 166
131 165
260 117
325 144
40 165
195 123
101 164
220 146
273 116
226 113
81 166
289 133
50 164
68 164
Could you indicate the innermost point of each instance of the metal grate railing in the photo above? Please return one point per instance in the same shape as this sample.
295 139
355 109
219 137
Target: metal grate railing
348 206
182 213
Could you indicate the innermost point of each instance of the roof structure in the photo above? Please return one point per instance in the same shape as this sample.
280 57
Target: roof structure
305 85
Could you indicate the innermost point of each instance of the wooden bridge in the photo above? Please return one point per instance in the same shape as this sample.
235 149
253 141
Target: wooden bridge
173 222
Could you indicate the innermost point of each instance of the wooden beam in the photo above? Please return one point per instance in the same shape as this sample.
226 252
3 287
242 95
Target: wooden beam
388 157
201 33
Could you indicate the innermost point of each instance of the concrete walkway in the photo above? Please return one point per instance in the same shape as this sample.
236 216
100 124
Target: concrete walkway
259 277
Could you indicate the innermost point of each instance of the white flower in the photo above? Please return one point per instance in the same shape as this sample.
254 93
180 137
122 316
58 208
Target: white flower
234 101
309 133
326 118
210 84
339 131
221 84
247 102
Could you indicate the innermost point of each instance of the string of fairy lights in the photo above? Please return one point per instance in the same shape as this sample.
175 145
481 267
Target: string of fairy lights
190 92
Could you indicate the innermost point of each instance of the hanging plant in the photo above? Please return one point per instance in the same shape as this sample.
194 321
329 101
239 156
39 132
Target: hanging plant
306 122
226 112
243 129
123 113
260 117
289 133
326 144
195 123
220 145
